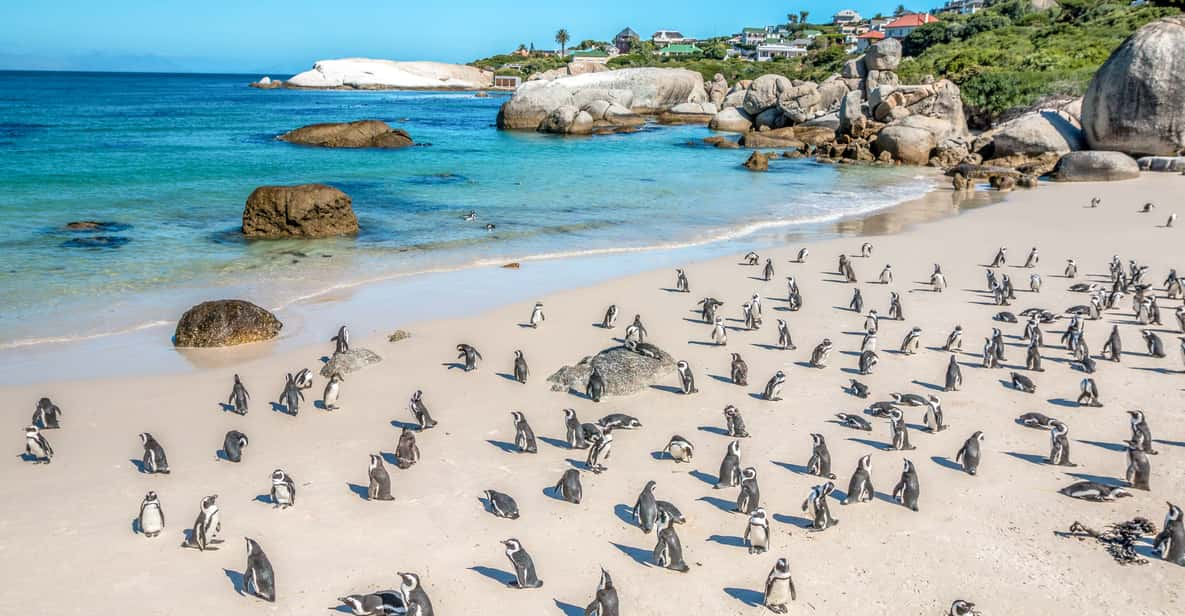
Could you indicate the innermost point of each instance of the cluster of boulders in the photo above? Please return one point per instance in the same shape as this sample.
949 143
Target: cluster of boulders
568 70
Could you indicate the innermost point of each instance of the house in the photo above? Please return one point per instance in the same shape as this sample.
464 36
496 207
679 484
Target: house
769 51
507 82
679 50
963 7
809 34
868 38
845 17
667 37
625 39
753 36
593 56
878 23
901 27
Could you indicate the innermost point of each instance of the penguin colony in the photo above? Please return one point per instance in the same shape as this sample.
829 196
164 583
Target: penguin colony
760 529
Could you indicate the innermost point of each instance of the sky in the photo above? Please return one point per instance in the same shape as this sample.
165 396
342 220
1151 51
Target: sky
282 37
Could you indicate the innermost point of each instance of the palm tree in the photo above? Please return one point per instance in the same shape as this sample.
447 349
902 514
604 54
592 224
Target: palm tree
791 18
802 15
561 37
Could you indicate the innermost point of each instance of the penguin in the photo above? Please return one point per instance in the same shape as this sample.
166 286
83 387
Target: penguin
1141 434
858 389
785 342
1036 420
602 446
573 434
1033 357
686 378
854 421
283 489
1071 270
375 604
292 396
969 453
1094 491
1005 317
820 355
954 375
757 532
524 567
303 379
733 422
773 388
708 306
962 608
668 551
1035 283
502 505
1023 383
407 453
1113 347
820 512
933 417
820 462
524 436
1139 470
520 367
909 346
886 276
751 258
332 392
860 488
238 397
871 322
1033 258
610 319
1170 543
152 516
419 410
645 510
907 490
1182 348
857 303
896 312
739 370
767 272
568 488
37 447
1155 345
730 467
470 217
752 318
636 331
206 527
258 577
1180 312
46 415
605 603
750 495
233 444
490 226
1001 258
341 340
779 588
615 421
414 595
1172 218
1090 393
954 342
1147 208
596 385
937 281
380 480
681 285
470 355
989 354
1059 445
719 334
679 449
868 361
899 431
154 455
793 295
537 315
868 342
802 255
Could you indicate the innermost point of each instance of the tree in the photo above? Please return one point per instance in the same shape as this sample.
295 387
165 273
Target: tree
802 15
717 50
900 10
562 37
522 47
791 19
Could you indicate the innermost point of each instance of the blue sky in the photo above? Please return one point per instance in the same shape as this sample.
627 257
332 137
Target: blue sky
286 36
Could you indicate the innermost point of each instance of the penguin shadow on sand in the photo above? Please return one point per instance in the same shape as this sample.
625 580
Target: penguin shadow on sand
507 376
713 430
1104 445
221 456
264 498
947 463
625 513
363 492
670 389
498 575
1032 458
139 464
769 347
228 408
554 442
136 526
792 520
552 493
568 609
704 477
726 506
1169 443
449 365
405 425
28 457
640 555
236 580
930 386
389 458
504 446
1072 404
871 443
727 540
579 465
748 596
797 469
280 408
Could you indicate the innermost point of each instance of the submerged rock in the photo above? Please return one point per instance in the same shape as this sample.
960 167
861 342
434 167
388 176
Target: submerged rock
360 134
350 361
626 372
225 322
757 161
305 210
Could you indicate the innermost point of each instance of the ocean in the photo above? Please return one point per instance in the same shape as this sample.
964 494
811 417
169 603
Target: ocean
169 160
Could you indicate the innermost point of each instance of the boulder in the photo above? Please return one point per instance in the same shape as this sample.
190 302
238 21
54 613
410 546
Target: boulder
1036 133
1136 101
567 120
689 113
831 91
398 335
625 372
884 55
304 210
757 162
267 83
800 103
618 115
1029 164
854 69
1175 164
350 361
830 121
731 119
907 144
816 135
766 92
942 100
771 139
770 118
225 322
852 120
735 97
1097 166
370 74
361 134
717 89
876 79
949 152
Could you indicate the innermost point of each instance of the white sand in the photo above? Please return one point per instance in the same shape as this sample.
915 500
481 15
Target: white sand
66 533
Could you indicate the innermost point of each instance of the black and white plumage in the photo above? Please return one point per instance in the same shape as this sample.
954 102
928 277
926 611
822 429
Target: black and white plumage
854 421
152 516
779 588
730 467
1023 383
537 315
524 566
858 389
332 393
933 416
860 488
283 492
681 284
380 480
645 511
618 421
816 504
886 276
1139 469
679 449
600 447
857 303
868 361
605 603
610 319
258 578
969 453
239 397
379 603
407 452
962 608
573 433
414 595
233 444
1141 433
1094 491
734 423
668 551
908 489
207 525
1170 542
1059 445
291 396
521 372
46 415
773 387
419 410
1154 343
821 353
569 488
524 436
954 375
341 341
303 379
154 460
1036 420
954 341
785 342
912 341
502 505
757 531
820 461
739 370
686 378
898 431
1089 395
37 447
470 355
595 388
749 498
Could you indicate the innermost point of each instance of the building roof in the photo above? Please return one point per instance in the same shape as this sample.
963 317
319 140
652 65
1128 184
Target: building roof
668 33
680 49
753 30
872 34
627 33
912 20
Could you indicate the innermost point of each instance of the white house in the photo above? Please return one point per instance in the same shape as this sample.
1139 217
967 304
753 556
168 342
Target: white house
963 7
846 16
667 37
770 51
753 36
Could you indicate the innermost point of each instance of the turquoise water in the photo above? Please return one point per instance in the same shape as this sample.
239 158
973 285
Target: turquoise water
170 160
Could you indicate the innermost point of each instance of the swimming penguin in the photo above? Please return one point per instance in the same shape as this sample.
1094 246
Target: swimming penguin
1170 543
907 490
380 480
37 447
573 434
1141 434
719 334
816 503
420 411
600 448
821 354
854 421
954 375
407 453
596 385
1036 420
820 462
292 396
962 608
332 393
668 551
860 488
784 339
1094 491
470 355
610 320
730 467
154 455
1000 258
258 577
899 431
238 397
886 276
767 272
414 595
283 489
933 417
152 516
470 217
679 449
605 602
954 342
733 422
857 303
491 226
1059 445
303 379
46 415
779 588
740 370
686 377
233 444
681 282
569 488
969 453
502 505
206 527
773 388
912 341
537 315
524 436
750 495
757 531
341 340
1023 383
858 389
645 510
1139 469
868 361
1155 346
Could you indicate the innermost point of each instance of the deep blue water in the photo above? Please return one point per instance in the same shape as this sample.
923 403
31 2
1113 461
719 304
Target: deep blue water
170 160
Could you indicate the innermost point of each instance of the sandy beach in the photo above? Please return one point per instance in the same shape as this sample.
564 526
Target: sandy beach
68 529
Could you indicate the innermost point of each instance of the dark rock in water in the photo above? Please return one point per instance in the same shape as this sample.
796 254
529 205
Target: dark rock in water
362 134
757 162
97 225
96 241
225 322
626 372
305 210
350 361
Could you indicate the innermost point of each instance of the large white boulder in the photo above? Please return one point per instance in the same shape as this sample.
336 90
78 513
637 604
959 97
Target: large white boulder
1036 132
370 74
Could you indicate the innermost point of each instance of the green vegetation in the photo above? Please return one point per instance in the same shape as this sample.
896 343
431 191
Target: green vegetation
562 37
512 64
